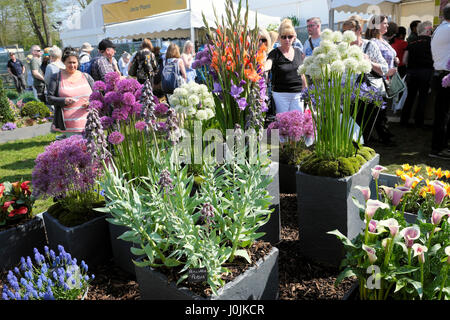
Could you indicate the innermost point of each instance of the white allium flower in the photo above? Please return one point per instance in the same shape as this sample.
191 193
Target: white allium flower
351 64
209 102
364 66
308 61
190 111
349 36
317 51
338 66
314 70
210 113
354 51
181 92
201 115
326 34
193 100
321 59
342 48
203 89
326 45
336 36
333 55
173 100
302 69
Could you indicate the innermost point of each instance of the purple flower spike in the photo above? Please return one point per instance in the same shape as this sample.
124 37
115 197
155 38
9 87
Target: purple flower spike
242 103
236 91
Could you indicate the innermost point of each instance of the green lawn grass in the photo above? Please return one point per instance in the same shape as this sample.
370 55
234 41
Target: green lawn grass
17 162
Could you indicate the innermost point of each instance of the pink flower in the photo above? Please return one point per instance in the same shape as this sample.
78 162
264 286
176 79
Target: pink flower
397 195
438 214
419 250
372 226
376 171
365 191
140 125
410 234
440 191
115 137
370 253
410 181
392 224
372 206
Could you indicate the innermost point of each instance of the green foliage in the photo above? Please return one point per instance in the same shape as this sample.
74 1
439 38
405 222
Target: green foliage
35 109
12 94
273 27
168 221
6 113
342 167
27 97
295 20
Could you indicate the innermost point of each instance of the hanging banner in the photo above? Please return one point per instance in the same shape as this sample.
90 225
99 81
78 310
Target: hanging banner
138 9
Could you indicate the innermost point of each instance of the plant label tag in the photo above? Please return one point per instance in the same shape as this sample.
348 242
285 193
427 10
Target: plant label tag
197 275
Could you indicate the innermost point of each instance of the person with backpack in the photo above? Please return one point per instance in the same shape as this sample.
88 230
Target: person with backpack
85 52
104 62
174 72
313 26
144 65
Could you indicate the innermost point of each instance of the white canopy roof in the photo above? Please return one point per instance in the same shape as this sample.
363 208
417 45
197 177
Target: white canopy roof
88 25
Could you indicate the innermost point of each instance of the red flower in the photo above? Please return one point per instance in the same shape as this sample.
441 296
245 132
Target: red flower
21 210
26 189
2 188
7 204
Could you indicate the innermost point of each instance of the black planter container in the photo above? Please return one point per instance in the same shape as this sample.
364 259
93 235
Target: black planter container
257 283
273 227
121 248
19 242
89 241
325 204
288 182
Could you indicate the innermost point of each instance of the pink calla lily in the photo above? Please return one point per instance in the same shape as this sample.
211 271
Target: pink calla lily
392 224
410 234
372 206
410 181
388 191
397 194
438 214
376 171
373 226
440 191
370 253
419 251
365 191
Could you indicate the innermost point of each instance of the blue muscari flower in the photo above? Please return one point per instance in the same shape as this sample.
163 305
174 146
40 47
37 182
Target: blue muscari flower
35 294
92 277
86 277
61 249
23 264
46 251
84 266
39 283
17 296
23 282
61 279
66 287
73 281
74 261
58 260
28 275
44 268
52 255
55 275
29 263
16 270
5 296
11 294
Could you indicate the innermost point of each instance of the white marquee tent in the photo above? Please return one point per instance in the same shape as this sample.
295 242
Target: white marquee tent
401 11
88 25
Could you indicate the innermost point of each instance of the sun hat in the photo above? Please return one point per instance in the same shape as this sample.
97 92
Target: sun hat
86 47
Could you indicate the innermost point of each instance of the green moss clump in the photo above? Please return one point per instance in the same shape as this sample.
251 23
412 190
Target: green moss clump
328 169
366 152
347 166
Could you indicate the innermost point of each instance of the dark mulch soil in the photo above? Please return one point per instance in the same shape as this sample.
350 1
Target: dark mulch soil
300 278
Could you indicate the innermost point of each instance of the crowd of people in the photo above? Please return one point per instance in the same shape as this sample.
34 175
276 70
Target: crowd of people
63 78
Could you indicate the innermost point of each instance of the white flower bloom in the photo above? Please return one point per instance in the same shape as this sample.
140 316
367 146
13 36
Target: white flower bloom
333 55
314 71
349 36
191 111
342 48
209 102
326 45
326 34
173 100
364 66
336 36
302 69
338 66
308 60
181 92
351 64
317 51
201 115
210 113
193 100
355 51
321 59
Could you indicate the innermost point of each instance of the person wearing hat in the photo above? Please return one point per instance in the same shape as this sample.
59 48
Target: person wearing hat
105 61
85 55
17 70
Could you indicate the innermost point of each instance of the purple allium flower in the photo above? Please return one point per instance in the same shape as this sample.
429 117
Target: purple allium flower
162 126
115 137
161 109
128 98
242 102
294 125
111 78
140 125
96 104
136 108
106 122
99 86
96 95
112 97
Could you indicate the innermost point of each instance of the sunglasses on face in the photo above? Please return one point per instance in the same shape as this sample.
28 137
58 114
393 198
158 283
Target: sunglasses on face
311 25
263 40
287 37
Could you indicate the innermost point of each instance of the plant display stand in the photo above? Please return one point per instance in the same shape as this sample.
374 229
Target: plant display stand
325 204
89 241
19 241
259 282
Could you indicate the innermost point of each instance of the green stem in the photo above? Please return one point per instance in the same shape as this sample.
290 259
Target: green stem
431 235
443 282
421 275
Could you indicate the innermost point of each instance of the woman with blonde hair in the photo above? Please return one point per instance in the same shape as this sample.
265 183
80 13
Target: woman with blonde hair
273 37
188 56
144 66
264 39
284 61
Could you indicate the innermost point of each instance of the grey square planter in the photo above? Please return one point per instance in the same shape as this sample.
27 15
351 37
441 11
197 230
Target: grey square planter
390 180
259 282
325 204
288 182
273 227
89 241
121 248
19 242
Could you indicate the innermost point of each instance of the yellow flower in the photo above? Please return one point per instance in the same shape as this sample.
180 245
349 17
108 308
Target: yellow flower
399 173
447 174
406 167
430 171
439 173
423 192
417 169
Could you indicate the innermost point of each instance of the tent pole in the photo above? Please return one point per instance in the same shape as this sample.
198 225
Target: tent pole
331 19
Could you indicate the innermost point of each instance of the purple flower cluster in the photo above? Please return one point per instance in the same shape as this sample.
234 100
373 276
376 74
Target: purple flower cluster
294 125
117 98
65 166
50 277
115 137
203 57
9 126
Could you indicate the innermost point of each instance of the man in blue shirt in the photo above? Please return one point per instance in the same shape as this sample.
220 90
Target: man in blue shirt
17 72
313 26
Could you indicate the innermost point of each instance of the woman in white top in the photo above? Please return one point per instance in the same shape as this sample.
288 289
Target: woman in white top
124 62
188 57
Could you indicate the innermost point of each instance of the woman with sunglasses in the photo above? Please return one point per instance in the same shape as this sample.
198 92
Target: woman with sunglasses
284 62
69 92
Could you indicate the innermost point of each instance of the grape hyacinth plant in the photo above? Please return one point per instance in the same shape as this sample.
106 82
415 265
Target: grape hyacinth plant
48 277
